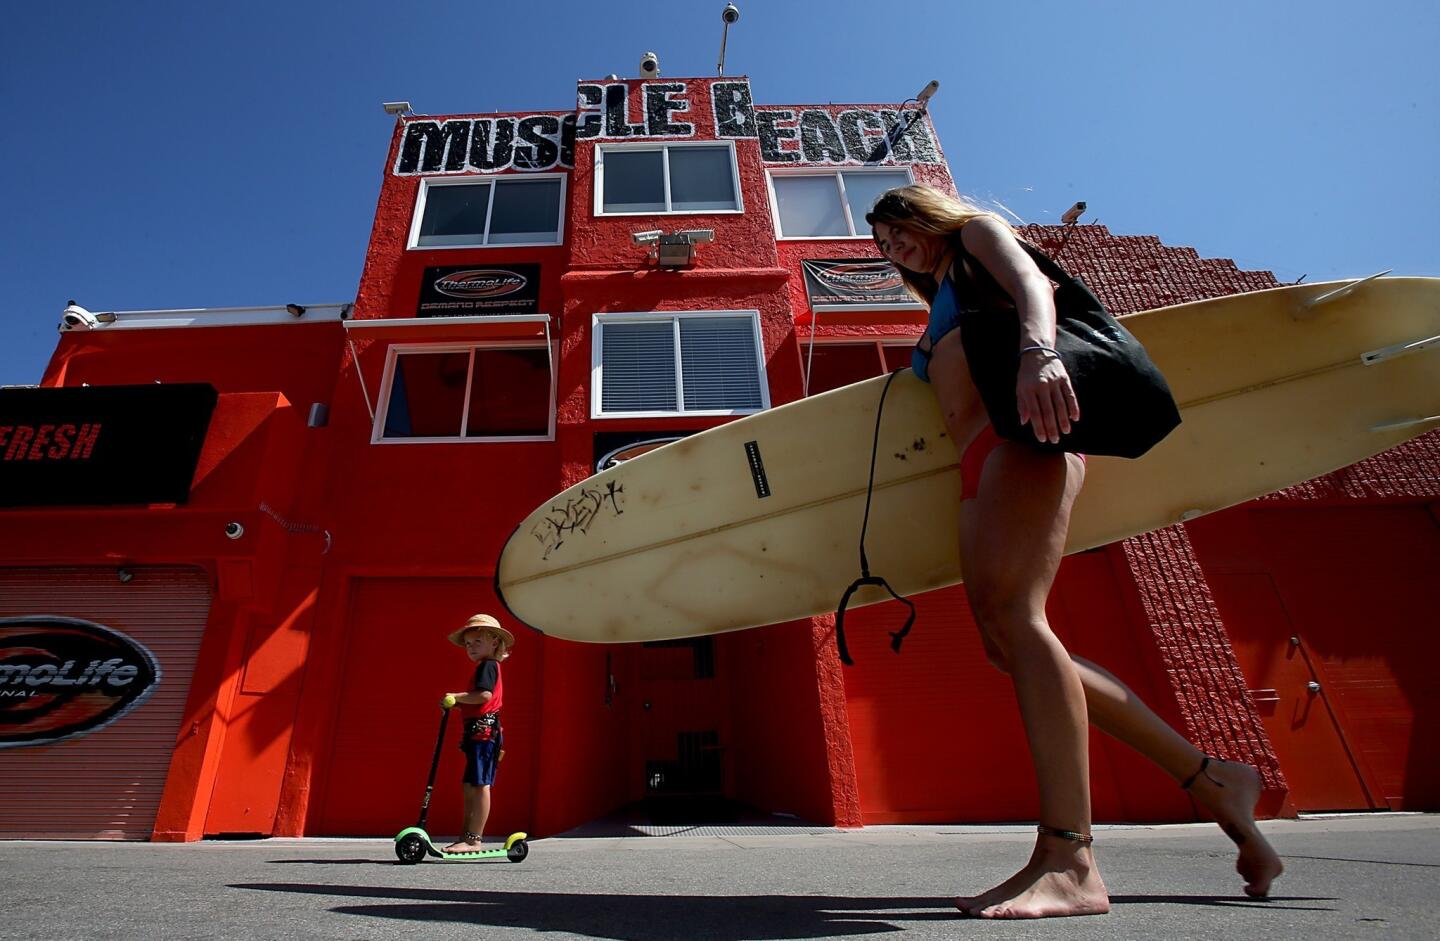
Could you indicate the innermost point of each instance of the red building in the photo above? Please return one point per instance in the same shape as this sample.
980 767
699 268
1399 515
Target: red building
234 540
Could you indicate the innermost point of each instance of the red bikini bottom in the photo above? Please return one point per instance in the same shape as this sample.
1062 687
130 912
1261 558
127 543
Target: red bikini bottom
972 462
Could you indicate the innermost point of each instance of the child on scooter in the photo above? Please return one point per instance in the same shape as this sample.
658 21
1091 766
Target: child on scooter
486 643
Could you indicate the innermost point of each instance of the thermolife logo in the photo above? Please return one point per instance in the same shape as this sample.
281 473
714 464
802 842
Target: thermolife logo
485 282
631 451
866 277
63 677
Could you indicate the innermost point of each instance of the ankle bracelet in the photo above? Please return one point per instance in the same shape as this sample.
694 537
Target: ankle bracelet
1065 834
471 837
1204 764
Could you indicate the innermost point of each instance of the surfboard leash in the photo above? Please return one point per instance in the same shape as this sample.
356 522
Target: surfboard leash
896 637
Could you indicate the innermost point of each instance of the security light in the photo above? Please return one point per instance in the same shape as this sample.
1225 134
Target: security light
75 317
396 108
674 251
730 14
297 309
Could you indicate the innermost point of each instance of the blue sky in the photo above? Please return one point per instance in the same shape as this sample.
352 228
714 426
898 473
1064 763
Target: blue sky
168 155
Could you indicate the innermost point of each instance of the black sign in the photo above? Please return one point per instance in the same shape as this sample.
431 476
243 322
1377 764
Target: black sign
471 290
101 445
854 284
63 677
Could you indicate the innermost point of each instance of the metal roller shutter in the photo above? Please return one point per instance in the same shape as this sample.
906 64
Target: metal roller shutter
105 784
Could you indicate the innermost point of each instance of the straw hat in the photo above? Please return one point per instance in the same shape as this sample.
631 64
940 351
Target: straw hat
457 637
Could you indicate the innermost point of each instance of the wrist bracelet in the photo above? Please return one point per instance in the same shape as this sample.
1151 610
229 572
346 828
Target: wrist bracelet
1044 349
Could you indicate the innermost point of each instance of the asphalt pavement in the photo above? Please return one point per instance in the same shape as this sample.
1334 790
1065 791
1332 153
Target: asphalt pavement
1361 876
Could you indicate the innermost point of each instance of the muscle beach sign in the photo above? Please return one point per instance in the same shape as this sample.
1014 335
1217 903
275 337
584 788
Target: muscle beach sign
546 141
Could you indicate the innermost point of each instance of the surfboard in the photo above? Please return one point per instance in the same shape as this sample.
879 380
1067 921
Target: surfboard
758 521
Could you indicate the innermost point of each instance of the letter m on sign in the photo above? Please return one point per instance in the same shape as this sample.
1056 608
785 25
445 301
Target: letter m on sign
432 147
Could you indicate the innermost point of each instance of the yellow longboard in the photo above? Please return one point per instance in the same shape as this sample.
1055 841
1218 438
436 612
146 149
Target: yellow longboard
757 521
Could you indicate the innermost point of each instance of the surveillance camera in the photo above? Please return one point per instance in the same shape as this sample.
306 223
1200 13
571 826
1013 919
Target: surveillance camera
75 317
650 65
731 13
647 237
234 530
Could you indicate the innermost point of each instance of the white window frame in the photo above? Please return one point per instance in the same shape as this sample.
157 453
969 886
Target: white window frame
392 357
495 180
664 146
838 174
597 378
889 340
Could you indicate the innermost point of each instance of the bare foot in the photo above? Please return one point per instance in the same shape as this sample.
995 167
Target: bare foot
464 846
1229 790
1060 879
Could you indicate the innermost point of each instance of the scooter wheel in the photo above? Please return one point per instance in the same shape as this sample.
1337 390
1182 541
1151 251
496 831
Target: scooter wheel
410 850
518 851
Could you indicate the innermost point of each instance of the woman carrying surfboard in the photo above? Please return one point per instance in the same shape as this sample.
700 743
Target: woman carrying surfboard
1017 490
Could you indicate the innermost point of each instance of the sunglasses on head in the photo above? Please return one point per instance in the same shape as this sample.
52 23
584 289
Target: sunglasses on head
888 207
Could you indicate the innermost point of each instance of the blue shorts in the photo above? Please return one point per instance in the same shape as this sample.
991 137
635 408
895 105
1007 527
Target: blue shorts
481 760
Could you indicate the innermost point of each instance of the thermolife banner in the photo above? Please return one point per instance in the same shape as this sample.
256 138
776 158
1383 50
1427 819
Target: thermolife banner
470 290
854 284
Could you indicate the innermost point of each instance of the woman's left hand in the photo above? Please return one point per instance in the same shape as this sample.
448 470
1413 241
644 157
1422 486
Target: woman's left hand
1044 396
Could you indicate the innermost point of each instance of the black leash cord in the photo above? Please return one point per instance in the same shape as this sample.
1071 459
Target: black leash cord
896 637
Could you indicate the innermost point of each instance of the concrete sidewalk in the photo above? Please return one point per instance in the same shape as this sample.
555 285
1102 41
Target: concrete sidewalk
1370 876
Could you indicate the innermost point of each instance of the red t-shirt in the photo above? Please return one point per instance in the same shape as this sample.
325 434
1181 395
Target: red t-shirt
487 677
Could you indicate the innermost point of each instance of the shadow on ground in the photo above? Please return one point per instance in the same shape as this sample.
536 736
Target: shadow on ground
653 917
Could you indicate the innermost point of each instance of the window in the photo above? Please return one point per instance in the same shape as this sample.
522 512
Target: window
829 203
650 179
466 393
506 210
705 363
832 365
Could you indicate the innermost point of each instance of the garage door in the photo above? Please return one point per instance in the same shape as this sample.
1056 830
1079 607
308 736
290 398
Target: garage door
1334 614
95 667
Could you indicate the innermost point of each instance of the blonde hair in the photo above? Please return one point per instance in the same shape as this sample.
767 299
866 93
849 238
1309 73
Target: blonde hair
502 648
925 209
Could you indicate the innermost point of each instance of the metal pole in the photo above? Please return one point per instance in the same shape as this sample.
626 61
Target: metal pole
434 766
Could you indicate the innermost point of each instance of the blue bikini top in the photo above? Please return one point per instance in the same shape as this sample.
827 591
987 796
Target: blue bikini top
944 317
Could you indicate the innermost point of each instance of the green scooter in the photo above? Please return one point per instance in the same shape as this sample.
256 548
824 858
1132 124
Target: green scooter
413 844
